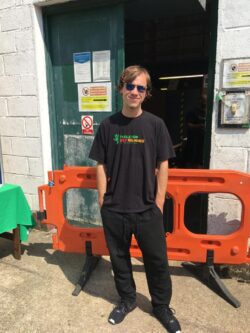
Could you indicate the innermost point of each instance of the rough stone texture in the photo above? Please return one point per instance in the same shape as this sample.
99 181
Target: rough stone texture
241 272
3 107
35 166
29 184
24 40
15 164
28 85
32 126
16 18
22 106
19 122
9 86
43 280
229 147
224 214
7 42
10 20
33 202
1 65
12 126
230 158
233 41
232 10
20 63
6 145
232 138
26 147
6 3
248 162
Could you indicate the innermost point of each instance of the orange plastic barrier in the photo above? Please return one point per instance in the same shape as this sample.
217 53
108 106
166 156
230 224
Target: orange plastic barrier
183 245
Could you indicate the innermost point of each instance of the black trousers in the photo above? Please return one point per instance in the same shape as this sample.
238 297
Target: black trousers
148 230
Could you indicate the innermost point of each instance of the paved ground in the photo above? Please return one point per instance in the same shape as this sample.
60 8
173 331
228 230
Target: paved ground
36 296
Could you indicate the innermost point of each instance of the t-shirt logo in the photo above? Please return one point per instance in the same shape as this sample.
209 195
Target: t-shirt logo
121 139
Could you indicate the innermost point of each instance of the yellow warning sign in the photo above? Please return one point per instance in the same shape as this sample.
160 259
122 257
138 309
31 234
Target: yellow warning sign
95 97
236 73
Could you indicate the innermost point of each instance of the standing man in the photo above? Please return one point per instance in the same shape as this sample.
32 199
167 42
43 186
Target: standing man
132 149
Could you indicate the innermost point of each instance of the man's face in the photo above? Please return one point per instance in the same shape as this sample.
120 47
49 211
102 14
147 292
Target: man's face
133 99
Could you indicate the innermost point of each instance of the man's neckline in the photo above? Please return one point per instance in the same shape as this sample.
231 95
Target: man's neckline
133 117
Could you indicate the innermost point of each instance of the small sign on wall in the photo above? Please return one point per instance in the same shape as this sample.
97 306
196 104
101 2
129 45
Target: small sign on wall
235 109
87 125
82 66
101 66
236 73
94 97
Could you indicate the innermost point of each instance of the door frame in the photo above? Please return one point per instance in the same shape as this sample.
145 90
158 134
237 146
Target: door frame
60 9
45 100
213 25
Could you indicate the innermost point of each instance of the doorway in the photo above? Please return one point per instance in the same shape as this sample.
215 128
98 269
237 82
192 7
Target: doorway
171 39
175 41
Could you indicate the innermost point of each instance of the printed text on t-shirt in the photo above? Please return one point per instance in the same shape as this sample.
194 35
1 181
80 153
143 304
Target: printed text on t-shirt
120 138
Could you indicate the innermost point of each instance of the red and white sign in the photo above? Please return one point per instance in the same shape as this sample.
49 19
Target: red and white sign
87 125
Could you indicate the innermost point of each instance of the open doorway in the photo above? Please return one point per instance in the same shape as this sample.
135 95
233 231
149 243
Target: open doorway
175 41
171 39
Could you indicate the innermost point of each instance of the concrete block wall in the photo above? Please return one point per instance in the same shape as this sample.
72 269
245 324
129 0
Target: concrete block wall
224 214
230 148
19 114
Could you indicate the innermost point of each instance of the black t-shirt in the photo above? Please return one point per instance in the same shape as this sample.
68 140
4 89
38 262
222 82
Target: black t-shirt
131 148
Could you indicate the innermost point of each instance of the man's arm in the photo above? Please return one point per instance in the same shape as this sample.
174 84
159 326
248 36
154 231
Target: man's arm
101 180
162 180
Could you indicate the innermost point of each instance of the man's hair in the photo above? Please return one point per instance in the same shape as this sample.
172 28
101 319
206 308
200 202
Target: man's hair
130 74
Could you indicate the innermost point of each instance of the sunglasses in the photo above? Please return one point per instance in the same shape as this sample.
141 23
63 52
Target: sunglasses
130 87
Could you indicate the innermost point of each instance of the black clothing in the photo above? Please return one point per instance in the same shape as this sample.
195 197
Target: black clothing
167 319
131 148
150 236
118 314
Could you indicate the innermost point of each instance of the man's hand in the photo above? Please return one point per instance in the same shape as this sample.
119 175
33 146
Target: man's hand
101 181
100 201
162 179
159 203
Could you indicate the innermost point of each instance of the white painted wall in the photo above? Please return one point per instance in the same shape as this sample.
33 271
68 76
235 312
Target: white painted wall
230 148
19 113
24 118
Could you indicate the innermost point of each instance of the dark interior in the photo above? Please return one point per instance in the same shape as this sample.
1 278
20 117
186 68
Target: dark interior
170 38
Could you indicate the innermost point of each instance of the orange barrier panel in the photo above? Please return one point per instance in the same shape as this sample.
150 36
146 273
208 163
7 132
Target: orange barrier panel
183 245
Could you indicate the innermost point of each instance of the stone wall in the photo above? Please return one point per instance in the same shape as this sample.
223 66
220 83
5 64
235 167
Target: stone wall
19 113
230 148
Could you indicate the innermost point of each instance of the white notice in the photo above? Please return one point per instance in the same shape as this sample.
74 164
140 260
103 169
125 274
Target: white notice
82 67
101 66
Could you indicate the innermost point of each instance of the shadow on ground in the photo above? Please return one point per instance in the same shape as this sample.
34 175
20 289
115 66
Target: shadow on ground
71 265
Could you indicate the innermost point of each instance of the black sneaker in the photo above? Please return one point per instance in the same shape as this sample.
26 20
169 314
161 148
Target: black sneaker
166 316
119 312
